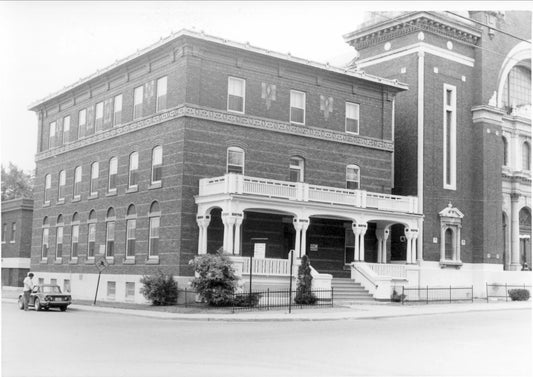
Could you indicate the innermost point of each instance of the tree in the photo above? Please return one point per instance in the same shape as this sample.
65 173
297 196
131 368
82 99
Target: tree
304 295
16 183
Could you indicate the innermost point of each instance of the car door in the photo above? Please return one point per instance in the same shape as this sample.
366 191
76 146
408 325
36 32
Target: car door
34 293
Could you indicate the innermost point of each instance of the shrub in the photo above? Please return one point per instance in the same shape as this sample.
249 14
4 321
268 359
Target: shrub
396 297
215 279
247 299
304 296
160 289
519 294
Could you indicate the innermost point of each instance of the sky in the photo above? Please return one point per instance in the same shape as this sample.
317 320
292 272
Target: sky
49 45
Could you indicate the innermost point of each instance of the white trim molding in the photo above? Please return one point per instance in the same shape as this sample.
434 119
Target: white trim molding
16 262
450 182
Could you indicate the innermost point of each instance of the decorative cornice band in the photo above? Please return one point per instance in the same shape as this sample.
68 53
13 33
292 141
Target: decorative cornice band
224 117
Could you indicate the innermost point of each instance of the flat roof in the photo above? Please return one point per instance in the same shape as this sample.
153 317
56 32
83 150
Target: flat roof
210 38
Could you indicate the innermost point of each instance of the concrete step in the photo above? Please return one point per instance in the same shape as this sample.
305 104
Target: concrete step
347 291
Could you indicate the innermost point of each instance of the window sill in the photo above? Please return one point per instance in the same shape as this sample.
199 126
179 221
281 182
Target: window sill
92 196
235 111
297 123
111 193
58 261
352 133
155 185
12 242
152 260
132 189
76 199
129 260
450 263
43 261
60 201
89 260
46 204
73 260
110 260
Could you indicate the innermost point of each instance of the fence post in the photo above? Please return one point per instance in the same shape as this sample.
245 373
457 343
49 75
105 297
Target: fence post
472 293
450 294
427 294
331 296
403 294
506 292
268 298
487 289
185 297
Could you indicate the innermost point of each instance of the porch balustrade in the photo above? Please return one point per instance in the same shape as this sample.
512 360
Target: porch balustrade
391 270
300 191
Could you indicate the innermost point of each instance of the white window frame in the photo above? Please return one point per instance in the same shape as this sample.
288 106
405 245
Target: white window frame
82 122
117 110
75 239
52 134
161 93
99 117
77 181
452 108
113 171
110 230
66 129
300 167
357 110
91 224
358 181
235 149
526 147
59 237
45 241
133 161
13 233
297 92
61 186
243 83
157 162
93 182
47 188
138 95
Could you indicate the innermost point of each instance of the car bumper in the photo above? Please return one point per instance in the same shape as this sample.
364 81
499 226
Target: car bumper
52 304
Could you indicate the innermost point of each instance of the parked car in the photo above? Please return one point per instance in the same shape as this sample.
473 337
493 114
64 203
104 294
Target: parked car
46 296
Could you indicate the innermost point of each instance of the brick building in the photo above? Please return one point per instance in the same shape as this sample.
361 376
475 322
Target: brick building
463 134
197 143
16 240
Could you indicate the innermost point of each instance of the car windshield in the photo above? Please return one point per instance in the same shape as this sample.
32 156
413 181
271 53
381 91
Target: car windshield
51 289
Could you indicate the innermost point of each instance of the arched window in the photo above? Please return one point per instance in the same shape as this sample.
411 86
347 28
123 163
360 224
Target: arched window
95 172
155 219
133 170
75 232
91 234
448 244
59 237
505 151
45 238
113 168
526 156
131 224
77 183
517 88
353 178
235 160
296 169
157 164
47 188
110 233
61 186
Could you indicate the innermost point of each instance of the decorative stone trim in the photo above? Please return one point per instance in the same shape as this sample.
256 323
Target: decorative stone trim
225 117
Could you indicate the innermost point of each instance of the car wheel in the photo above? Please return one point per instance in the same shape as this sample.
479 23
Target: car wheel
63 308
21 303
37 304
46 308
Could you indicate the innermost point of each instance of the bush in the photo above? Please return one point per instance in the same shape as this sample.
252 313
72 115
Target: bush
247 299
519 294
396 297
304 296
160 289
215 279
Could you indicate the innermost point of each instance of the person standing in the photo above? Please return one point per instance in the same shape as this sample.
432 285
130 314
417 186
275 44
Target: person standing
28 287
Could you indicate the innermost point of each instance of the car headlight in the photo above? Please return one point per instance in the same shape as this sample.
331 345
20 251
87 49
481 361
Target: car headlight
47 298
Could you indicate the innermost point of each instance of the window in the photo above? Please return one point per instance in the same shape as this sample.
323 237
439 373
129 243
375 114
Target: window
111 289
62 184
91 234
505 151
138 102
353 179
297 107
449 146
75 231
235 160
296 169
99 117
59 237
155 216
117 110
161 103
13 232
66 286
157 164
236 94
110 233
526 156
44 243
90 120
4 230
41 281
47 188
517 88
53 281
352 117
130 291
133 170
77 183
82 122
112 183
66 129
52 135
94 179
131 224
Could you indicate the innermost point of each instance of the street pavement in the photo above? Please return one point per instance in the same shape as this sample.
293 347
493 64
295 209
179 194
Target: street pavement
93 341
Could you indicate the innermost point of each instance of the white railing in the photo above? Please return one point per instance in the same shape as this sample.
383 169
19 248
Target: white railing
299 191
391 270
267 266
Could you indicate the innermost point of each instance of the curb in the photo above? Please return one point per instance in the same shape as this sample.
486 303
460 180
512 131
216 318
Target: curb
284 316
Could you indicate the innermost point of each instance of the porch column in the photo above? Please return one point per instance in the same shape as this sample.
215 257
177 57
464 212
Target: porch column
442 243
363 228
515 233
414 244
356 233
303 245
409 238
229 222
237 243
298 228
382 234
458 247
203 223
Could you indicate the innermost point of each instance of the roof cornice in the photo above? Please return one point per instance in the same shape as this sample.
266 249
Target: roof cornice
209 38
431 22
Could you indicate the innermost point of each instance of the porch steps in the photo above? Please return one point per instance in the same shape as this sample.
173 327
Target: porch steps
346 290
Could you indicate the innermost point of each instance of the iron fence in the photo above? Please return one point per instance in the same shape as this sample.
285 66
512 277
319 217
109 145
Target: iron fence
501 291
263 300
429 294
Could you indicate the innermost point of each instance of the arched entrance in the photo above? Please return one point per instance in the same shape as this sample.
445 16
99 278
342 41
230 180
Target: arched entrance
524 218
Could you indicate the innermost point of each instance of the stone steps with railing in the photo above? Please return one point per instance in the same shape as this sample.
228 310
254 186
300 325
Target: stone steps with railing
346 290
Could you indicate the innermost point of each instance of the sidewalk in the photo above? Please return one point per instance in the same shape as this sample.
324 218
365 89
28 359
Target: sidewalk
344 312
